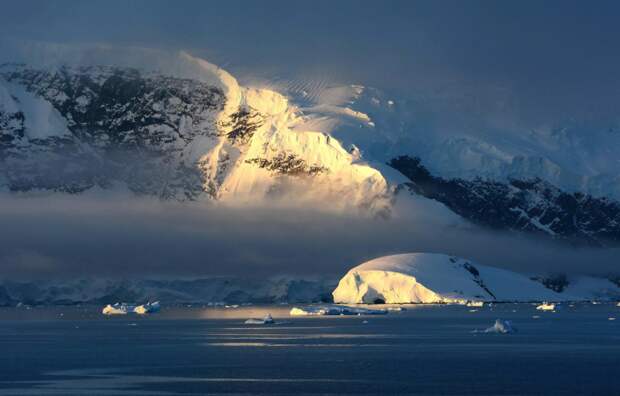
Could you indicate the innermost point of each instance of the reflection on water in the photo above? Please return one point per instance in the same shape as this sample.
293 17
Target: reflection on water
293 345
115 382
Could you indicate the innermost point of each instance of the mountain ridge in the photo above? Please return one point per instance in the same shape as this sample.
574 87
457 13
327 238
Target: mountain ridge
200 136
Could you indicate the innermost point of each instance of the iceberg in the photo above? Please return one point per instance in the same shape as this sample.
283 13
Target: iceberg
147 308
501 327
124 308
435 278
265 320
545 307
335 310
117 309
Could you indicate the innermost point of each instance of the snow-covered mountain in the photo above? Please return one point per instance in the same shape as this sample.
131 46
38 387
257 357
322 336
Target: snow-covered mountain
534 205
73 129
439 278
192 132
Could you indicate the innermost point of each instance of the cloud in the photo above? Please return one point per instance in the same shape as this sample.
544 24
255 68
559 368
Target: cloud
79 236
565 64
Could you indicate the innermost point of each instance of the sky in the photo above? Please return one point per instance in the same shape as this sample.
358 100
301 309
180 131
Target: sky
552 60
555 59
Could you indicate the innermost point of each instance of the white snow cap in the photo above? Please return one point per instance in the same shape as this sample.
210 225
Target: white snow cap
434 278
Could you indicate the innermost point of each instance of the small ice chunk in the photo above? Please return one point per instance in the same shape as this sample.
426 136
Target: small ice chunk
266 320
335 310
116 309
475 303
546 307
147 308
501 327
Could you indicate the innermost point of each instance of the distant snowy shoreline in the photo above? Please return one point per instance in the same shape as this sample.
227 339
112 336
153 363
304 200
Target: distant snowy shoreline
416 278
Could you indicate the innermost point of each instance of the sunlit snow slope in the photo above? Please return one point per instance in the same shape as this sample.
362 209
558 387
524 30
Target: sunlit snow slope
439 278
193 135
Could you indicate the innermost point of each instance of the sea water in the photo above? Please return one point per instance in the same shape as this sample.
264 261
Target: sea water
431 349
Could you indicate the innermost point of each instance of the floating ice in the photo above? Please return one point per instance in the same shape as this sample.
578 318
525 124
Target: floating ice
475 303
434 278
147 308
117 309
335 310
545 307
266 320
124 308
501 327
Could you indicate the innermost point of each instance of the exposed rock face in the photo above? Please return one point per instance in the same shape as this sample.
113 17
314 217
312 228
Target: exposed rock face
71 129
109 125
519 205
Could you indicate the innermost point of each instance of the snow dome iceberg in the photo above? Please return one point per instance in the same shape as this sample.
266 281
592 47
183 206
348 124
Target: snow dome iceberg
434 278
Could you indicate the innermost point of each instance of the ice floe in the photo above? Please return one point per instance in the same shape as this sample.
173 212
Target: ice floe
117 309
334 310
267 319
501 327
124 308
147 308
545 307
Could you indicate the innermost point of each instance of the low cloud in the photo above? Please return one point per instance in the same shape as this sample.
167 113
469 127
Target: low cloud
79 236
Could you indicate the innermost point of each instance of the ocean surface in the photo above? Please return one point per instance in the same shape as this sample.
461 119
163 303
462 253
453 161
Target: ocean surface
424 350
